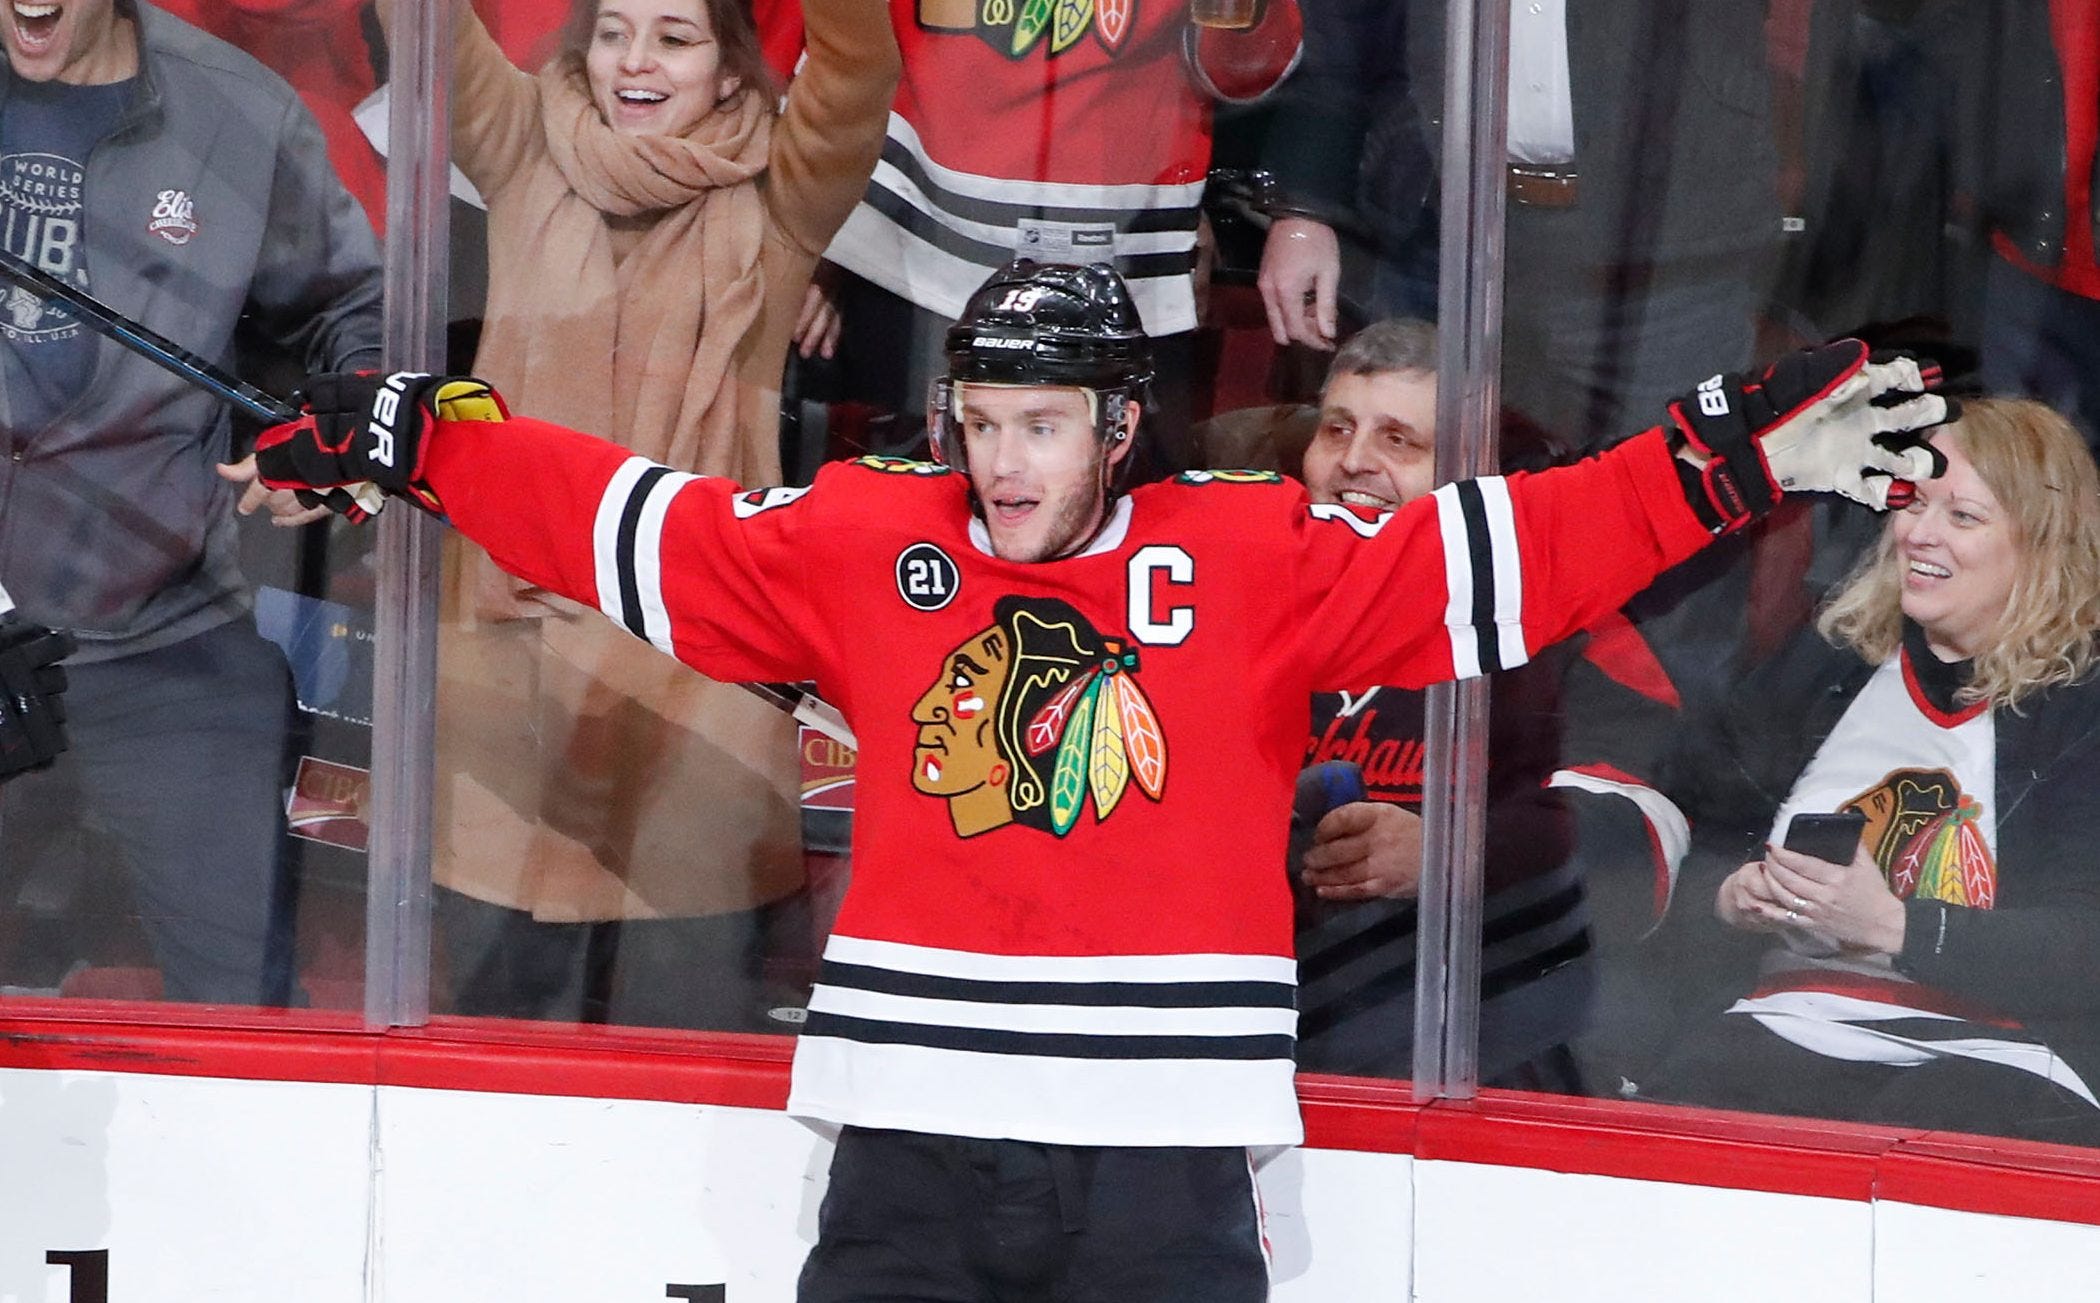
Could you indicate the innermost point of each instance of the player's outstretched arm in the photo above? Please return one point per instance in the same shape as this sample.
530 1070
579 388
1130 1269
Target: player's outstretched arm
1525 561
695 566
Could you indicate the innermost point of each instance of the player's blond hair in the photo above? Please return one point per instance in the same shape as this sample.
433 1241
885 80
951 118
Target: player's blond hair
2038 468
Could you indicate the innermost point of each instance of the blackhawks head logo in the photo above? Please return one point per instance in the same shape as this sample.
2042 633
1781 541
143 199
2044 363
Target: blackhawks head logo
1029 718
1015 27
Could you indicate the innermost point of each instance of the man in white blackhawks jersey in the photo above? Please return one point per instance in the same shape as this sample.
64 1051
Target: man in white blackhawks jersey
1057 1007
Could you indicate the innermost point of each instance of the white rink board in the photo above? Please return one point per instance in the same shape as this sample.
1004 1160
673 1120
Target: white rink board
263 1192
522 1197
198 1188
1934 1255
1499 1233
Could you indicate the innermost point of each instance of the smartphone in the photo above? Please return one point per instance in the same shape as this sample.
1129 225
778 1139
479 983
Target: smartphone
1830 837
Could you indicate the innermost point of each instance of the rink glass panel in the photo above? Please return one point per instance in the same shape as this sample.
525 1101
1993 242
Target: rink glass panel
205 838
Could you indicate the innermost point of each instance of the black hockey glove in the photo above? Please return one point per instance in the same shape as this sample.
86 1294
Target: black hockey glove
1824 419
362 436
32 684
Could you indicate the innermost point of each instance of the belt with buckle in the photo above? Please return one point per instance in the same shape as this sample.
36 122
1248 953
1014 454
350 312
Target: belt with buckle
1542 185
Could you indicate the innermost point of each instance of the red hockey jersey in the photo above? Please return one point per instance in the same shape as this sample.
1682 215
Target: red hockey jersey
1068 131
1068 919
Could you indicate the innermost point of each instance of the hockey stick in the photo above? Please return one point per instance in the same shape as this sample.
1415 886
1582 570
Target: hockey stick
173 358
806 707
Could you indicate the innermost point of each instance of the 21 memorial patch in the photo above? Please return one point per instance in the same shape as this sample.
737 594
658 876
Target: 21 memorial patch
926 577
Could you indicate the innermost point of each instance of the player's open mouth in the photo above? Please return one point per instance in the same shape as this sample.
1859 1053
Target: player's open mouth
1930 571
1359 498
643 98
36 25
1012 511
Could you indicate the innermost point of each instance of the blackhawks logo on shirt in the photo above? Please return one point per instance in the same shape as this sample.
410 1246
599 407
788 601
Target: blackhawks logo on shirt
1030 718
1927 835
1015 27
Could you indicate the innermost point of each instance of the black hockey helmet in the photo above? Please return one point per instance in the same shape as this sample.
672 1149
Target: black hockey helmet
1046 323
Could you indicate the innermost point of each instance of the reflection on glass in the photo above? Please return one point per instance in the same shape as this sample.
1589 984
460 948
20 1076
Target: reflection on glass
156 167
618 839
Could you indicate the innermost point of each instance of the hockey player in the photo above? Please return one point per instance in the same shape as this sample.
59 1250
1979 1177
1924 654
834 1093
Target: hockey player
1056 1009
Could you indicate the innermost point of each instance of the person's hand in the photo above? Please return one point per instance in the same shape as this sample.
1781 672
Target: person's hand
1850 903
1301 264
1365 849
284 506
1748 901
817 325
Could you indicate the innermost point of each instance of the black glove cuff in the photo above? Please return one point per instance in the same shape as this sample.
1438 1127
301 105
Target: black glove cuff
1735 486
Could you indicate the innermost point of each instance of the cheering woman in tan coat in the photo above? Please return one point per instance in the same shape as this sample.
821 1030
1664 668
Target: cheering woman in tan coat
611 828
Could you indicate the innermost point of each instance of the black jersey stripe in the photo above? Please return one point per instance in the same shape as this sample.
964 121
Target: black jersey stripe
1064 1045
910 217
1480 546
997 212
1142 995
624 550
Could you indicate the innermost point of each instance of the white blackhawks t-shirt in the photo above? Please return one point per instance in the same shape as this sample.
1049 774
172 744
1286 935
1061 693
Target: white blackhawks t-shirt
1924 777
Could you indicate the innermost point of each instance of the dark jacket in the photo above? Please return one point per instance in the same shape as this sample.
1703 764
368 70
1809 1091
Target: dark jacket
112 521
2036 955
1672 115
2011 155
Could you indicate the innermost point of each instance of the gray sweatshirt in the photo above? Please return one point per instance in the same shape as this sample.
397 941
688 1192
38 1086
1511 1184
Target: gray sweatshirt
213 198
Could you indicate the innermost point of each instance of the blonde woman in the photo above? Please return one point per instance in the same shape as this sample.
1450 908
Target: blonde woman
1946 974
612 829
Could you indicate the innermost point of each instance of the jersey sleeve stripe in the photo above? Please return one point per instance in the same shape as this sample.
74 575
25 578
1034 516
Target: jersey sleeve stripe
625 557
1509 572
1485 597
648 556
1458 583
605 536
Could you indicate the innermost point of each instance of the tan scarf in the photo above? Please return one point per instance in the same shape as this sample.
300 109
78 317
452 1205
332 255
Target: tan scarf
639 349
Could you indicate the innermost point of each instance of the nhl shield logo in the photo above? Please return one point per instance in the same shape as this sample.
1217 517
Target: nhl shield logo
174 217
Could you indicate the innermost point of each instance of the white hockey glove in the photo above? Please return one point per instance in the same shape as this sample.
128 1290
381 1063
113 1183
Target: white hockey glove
1824 419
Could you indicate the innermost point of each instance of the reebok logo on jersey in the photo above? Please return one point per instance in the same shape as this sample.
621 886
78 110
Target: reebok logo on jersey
1030 717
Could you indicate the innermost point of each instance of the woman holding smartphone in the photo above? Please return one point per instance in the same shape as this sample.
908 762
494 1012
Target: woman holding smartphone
1942 966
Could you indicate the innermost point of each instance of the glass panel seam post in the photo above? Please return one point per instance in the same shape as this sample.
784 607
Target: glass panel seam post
404 691
1469 364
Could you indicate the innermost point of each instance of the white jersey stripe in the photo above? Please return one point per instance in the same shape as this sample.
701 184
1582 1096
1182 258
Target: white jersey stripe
1673 832
648 559
1833 1025
1035 194
1084 969
1458 583
1110 1020
871 246
1128 243
1045 1098
1509 570
605 535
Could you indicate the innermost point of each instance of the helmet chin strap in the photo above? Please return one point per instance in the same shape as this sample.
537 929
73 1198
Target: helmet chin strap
1107 500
